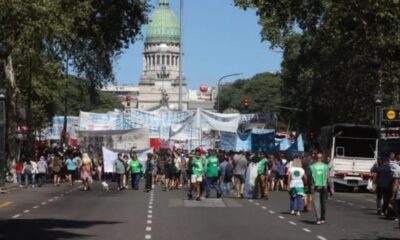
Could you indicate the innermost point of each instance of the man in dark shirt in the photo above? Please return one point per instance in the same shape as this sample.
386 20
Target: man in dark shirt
383 180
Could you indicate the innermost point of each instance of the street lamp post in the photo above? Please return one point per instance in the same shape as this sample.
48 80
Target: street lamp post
219 84
377 115
3 120
180 107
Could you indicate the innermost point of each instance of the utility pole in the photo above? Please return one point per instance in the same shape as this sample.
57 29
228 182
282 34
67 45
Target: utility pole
181 56
64 131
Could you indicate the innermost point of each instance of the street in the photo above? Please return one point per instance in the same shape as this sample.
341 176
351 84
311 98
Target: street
70 213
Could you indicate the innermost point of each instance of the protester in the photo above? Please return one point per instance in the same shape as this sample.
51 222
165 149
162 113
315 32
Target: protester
396 193
119 171
197 167
320 181
86 172
72 166
19 171
212 174
27 170
226 169
135 168
56 167
281 167
239 171
42 170
125 179
383 181
262 176
296 179
150 165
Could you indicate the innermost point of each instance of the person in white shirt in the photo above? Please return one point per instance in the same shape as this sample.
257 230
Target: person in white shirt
42 170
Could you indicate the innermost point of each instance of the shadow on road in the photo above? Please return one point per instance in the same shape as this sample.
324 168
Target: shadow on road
45 229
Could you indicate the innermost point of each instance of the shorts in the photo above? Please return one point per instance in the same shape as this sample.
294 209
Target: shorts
195 178
239 178
71 172
280 177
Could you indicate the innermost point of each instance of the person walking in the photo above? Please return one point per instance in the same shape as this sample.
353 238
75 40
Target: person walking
19 170
226 169
72 166
135 167
86 172
150 166
320 181
119 171
296 179
56 166
27 170
383 180
396 192
42 170
262 171
212 173
197 167
239 171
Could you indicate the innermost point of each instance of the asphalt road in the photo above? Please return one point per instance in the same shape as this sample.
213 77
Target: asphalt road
70 213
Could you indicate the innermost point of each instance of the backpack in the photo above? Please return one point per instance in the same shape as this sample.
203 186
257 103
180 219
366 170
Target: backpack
228 173
28 168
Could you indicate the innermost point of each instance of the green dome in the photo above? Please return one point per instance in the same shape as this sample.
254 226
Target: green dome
163 26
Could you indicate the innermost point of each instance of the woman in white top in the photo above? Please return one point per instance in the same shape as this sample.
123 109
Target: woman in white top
296 179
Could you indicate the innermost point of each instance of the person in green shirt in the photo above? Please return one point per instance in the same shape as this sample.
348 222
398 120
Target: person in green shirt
198 170
262 175
320 180
212 174
135 167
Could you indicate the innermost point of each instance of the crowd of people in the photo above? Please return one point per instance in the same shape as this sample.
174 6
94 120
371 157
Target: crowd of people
306 178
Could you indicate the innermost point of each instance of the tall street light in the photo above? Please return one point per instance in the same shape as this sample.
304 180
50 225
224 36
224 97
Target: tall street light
219 84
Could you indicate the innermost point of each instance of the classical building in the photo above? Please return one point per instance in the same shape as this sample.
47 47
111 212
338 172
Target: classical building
159 82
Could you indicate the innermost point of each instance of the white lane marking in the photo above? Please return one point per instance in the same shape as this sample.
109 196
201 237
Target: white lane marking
27 211
147 236
148 229
306 230
150 203
293 223
351 204
272 212
251 201
257 203
50 200
149 222
16 216
150 211
281 217
149 216
44 203
56 197
150 207
321 238
36 207
265 208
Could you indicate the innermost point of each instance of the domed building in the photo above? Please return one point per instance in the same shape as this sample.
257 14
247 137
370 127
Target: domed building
159 83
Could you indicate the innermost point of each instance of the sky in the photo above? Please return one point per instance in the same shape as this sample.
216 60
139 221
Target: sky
219 39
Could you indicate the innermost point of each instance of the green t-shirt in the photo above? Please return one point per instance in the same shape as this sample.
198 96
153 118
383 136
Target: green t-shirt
212 166
197 166
261 165
135 166
319 172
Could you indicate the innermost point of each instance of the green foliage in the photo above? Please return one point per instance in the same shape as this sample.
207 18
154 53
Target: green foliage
263 91
338 55
91 34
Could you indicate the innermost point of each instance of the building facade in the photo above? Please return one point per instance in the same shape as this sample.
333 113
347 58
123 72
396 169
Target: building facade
161 61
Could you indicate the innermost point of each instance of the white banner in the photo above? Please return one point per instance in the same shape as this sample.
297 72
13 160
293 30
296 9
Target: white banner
109 158
100 121
123 140
54 131
218 121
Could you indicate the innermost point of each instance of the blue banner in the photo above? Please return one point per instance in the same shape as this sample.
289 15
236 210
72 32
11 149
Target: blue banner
264 142
228 141
243 141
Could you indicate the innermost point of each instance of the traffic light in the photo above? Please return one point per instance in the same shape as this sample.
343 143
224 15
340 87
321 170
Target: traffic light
246 101
128 101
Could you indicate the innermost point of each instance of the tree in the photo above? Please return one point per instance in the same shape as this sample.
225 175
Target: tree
262 90
338 55
47 36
